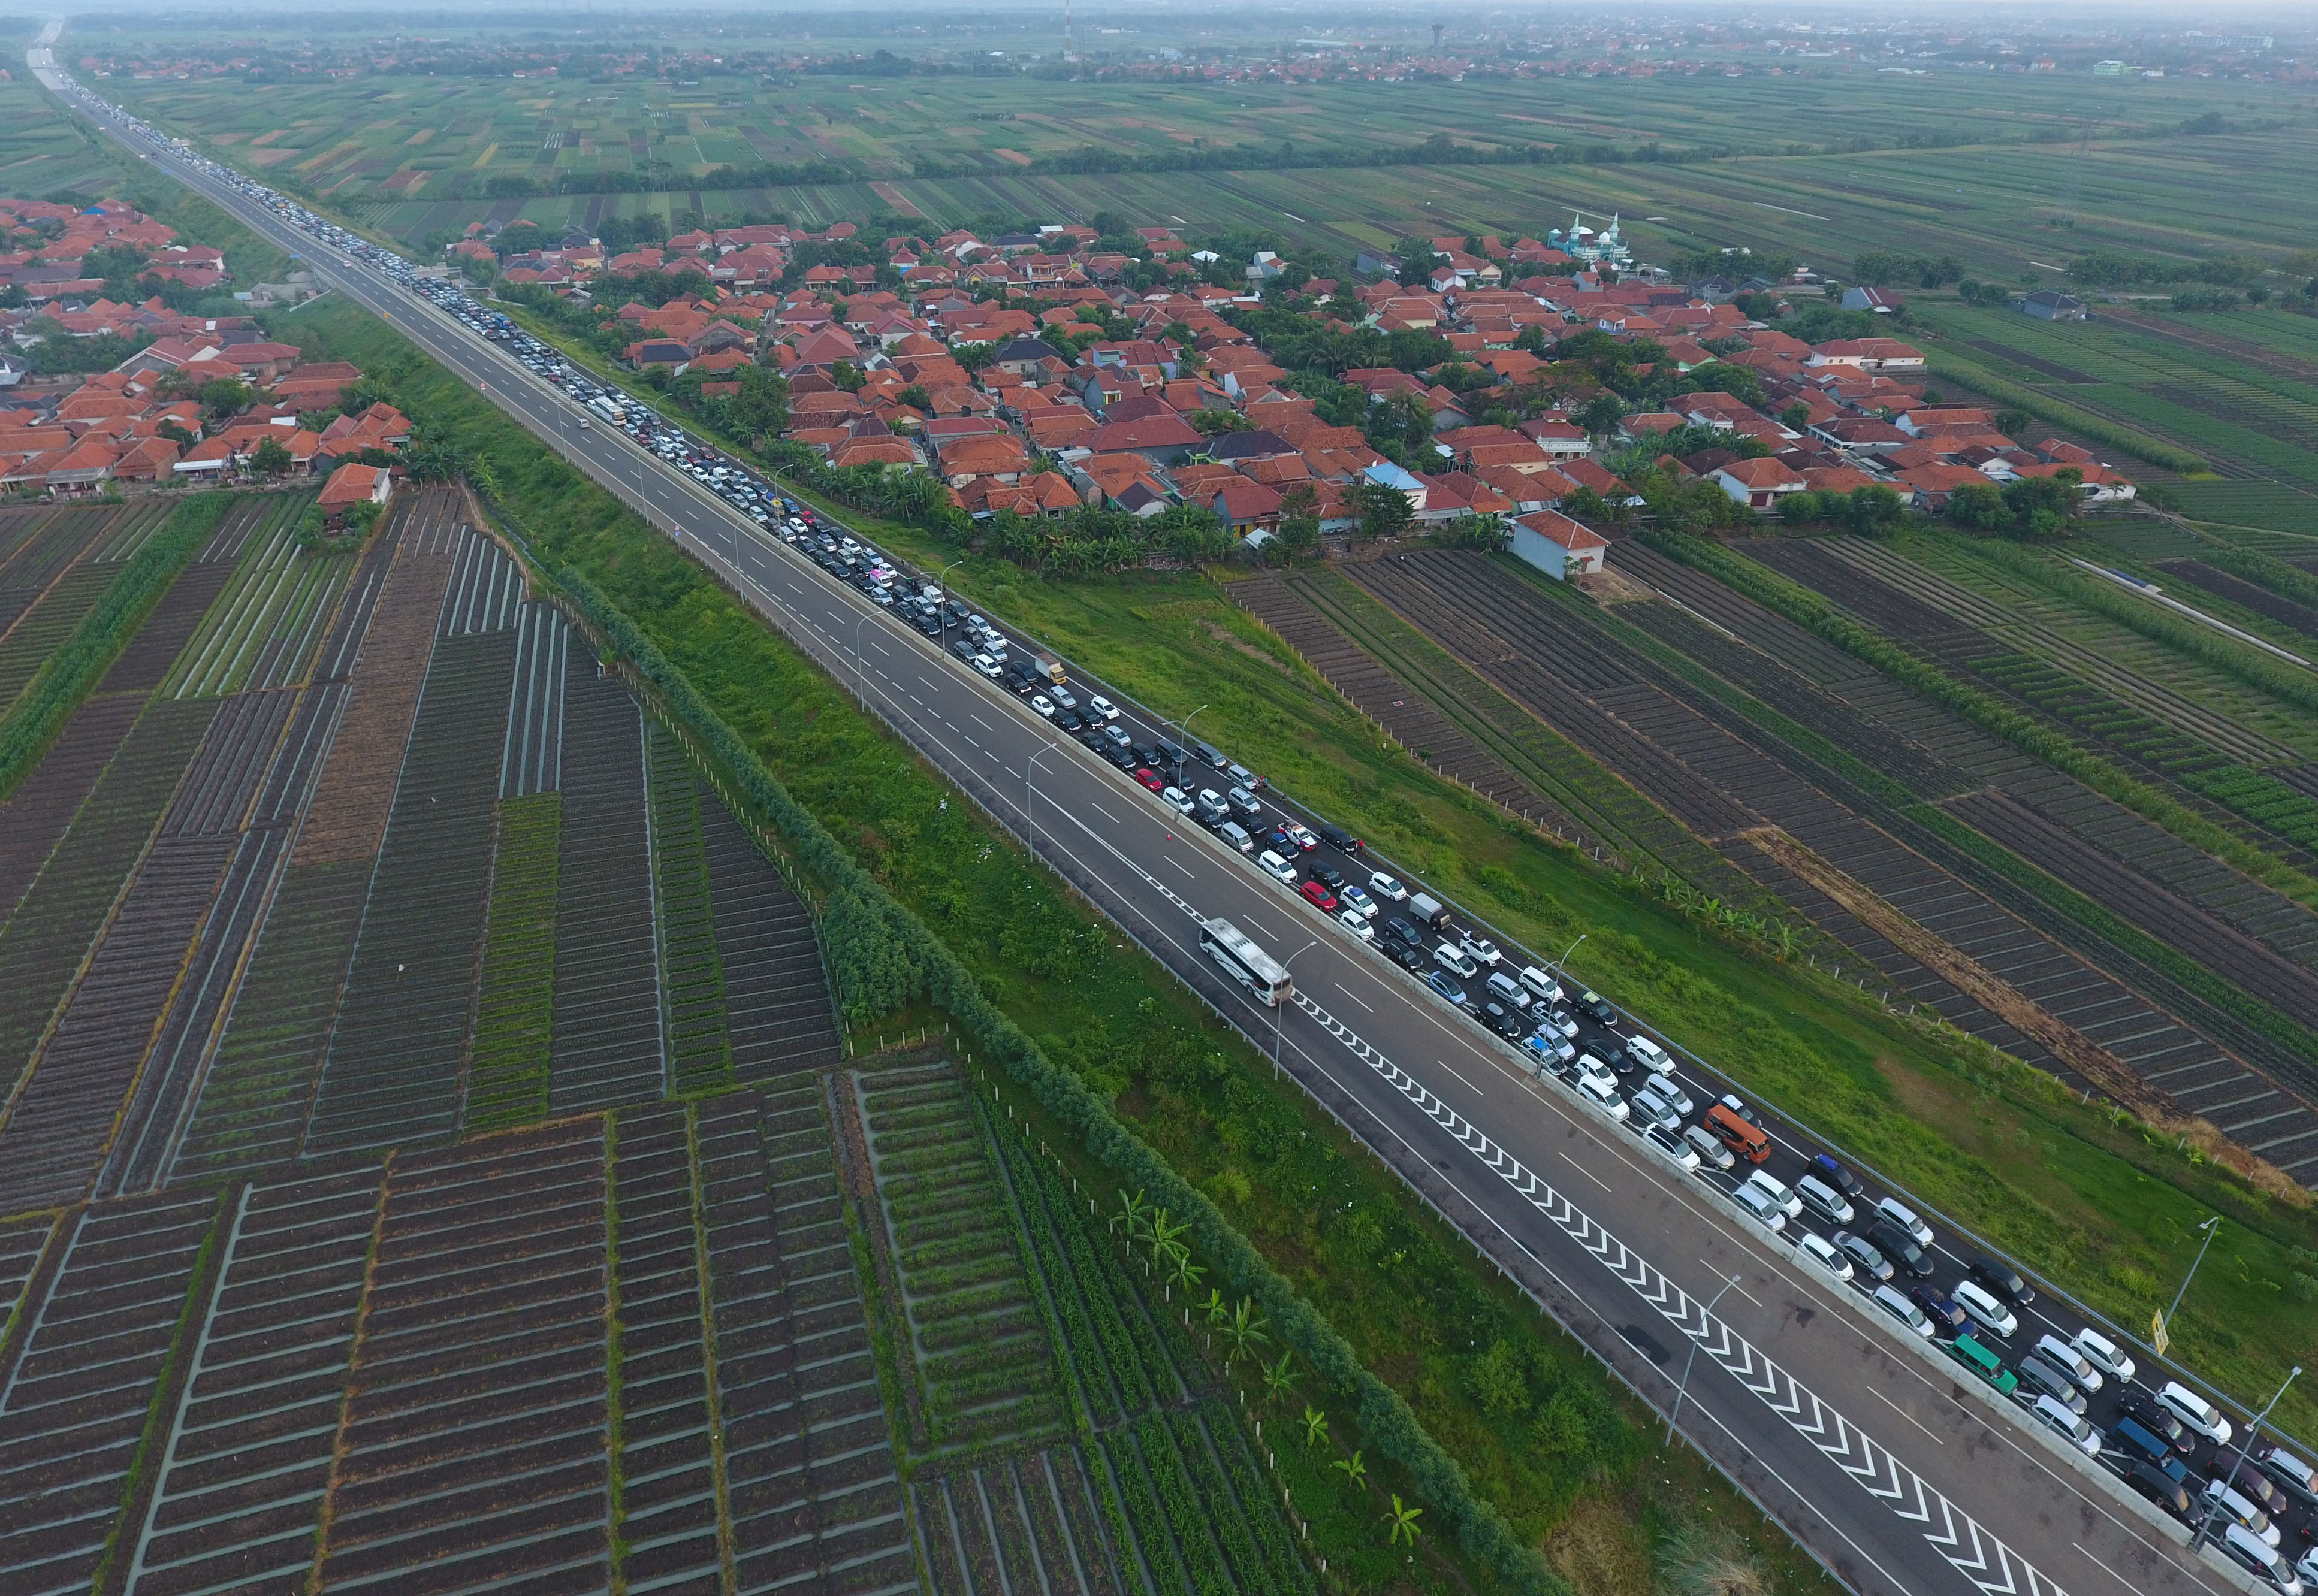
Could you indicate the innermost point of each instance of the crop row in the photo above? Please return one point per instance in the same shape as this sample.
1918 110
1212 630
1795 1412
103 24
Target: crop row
667 1451
265 629
609 1044
506 1072
700 1053
776 1008
247 1449
392 1074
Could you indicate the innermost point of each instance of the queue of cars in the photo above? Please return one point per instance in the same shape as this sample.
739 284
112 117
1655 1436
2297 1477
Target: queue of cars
2164 1440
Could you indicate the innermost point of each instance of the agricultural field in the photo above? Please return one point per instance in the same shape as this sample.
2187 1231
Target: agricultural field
410 157
355 853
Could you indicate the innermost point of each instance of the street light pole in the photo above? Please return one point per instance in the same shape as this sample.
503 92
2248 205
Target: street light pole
2212 1227
1030 815
1183 733
1683 1389
1560 964
942 582
2205 1525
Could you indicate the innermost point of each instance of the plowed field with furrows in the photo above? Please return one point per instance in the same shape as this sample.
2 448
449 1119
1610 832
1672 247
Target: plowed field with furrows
264 632
163 637
700 1054
90 1357
44 551
45 941
2251 596
1720 746
776 1008
1412 722
394 1071
245 1456
22 1243
64 1115
609 1044
45 626
533 761
349 808
822 1505
1558 701
1020 1523
474 1446
37 813
670 1464
486 587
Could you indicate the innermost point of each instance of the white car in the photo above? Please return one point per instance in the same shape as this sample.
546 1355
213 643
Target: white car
1988 1311
1590 1068
1603 1096
2071 1362
1775 1191
1387 888
2104 1355
2195 1412
1103 707
1043 705
2078 1432
1357 923
1278 868
1353 898
1903 1216
1897 1306
1817 1249
986 666
1669 1091
1179 799
1455 962
1646 1053
1480 947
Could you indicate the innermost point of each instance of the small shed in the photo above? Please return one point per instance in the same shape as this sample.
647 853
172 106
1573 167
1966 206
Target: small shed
1557 546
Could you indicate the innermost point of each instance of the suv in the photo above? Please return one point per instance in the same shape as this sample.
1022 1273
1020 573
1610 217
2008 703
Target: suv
1399 930
1901 1248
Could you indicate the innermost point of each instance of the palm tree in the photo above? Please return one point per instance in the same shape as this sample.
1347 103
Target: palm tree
1316 1426
1403 1520
1354 1471
1276 1378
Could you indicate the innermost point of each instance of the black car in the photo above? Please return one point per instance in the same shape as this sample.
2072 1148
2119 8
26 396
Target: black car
1147 753
1404 933
1337 837
1901 1248
1123 758
1596 1007
1093 741
1836 1175
1503 1021
2001 1279
1613 1054
1070 720
2157 1488
1402 954
1319 871
2144 1411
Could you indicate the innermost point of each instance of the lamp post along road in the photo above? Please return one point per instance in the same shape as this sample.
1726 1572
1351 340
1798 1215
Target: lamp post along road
2214 1511
2161 1332
1284 964
1683 1389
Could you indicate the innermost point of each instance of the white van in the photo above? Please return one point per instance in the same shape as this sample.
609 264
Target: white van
1903 1215
1993 1316
2235 1504
1646 1053
2195 1412
2105 1355
1777 1192
1603 1094
1824 1200
1817 1249
2078 1432
2070 1361
1542 984
1760 1208
1907 1313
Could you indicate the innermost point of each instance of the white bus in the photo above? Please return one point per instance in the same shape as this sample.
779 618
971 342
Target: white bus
1245 962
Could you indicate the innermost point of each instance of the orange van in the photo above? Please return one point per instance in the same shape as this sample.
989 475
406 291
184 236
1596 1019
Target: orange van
1748 1140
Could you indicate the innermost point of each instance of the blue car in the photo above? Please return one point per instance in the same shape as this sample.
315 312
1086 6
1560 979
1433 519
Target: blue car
1448 988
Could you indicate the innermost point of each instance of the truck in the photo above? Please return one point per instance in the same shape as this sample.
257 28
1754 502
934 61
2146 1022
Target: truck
1428 910
1050 666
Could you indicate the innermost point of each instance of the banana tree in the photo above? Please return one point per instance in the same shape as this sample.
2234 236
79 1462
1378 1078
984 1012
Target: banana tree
1403 1520
1135 1213
1276 1378
1355 1471
1316 1426
1246 1332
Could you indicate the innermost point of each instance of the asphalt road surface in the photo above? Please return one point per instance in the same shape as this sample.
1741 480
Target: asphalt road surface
1872 1457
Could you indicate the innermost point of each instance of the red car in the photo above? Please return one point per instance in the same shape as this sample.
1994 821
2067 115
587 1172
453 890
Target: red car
1149 780
1317 894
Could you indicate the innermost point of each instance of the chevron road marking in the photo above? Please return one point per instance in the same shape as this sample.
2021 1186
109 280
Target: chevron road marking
1971 1551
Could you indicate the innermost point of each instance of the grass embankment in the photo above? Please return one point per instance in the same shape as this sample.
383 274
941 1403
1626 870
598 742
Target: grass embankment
1998 1147
72 672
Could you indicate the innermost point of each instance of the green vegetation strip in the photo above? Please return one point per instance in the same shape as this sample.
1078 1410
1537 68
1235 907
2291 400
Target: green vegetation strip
1944 362
67 676
508 1075
1807 610
2287 581
884 957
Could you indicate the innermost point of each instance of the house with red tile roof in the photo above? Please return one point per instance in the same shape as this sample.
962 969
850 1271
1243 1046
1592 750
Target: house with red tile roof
1758 484
351 485
1556 545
